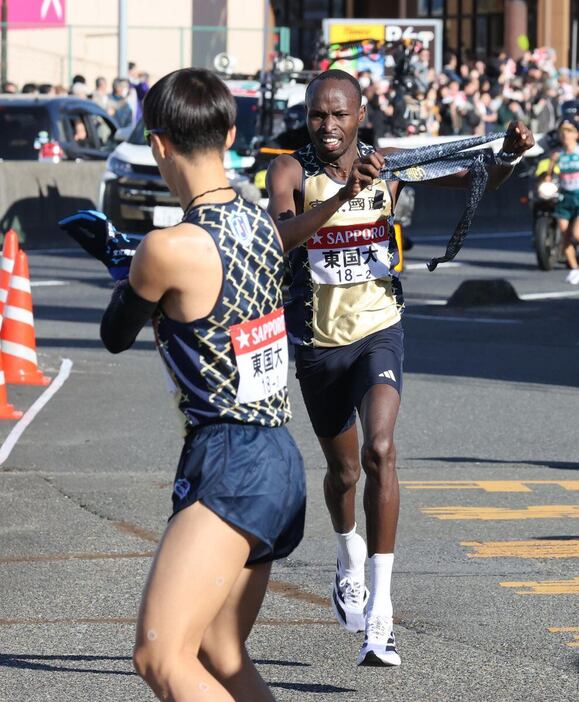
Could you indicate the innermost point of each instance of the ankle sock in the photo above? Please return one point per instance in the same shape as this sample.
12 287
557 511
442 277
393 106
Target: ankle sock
380 602
352 553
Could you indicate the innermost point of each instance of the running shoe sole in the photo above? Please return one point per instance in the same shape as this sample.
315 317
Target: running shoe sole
371 659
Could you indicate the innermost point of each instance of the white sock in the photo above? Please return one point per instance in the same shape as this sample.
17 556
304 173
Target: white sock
381 574
352 553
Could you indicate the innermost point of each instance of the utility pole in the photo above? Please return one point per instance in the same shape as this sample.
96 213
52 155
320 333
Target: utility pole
123 64
4 33
574 55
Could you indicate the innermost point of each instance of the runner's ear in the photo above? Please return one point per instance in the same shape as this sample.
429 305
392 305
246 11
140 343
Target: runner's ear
230 138
362 113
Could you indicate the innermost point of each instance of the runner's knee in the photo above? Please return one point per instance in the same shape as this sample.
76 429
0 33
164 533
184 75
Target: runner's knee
157 665
379 458
223 659
342 475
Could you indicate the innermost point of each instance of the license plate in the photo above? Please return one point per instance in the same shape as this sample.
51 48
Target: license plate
166 216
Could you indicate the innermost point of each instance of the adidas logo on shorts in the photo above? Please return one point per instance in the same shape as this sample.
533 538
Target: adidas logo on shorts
388 374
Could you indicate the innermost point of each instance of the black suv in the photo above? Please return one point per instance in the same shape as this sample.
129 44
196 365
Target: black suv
46 128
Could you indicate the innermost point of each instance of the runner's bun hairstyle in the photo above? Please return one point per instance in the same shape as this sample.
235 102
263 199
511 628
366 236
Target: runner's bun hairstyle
193 108
333 74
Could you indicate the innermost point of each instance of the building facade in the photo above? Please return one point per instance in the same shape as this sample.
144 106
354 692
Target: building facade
471 27
161 37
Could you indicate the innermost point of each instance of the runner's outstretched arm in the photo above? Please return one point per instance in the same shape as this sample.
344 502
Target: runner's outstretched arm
284 181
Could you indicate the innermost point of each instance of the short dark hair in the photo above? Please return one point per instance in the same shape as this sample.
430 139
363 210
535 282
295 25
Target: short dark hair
333 74
193 107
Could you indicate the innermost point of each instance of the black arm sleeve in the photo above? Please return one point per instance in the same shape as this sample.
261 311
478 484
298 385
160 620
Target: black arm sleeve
124 318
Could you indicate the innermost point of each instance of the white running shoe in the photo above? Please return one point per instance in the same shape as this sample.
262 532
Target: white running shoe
379 647
573 276
349 599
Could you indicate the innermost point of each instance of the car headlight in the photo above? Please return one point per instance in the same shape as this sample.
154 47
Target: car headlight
119 167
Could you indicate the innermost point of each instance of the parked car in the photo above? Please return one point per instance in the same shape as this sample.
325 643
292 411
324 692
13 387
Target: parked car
134 196
46 128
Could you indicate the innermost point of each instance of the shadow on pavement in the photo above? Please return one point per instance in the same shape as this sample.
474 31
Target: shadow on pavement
49 663
537 343
65 313
294 664
559 465
67 343
310 687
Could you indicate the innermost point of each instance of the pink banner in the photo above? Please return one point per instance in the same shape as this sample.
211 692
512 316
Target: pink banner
27 14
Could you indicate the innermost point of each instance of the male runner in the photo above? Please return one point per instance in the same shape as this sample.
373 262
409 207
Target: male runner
343 316
567 209
212 285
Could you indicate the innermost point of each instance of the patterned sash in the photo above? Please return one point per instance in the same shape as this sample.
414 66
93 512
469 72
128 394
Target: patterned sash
439 160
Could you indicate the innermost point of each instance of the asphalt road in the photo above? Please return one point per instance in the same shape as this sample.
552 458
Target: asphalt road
485 581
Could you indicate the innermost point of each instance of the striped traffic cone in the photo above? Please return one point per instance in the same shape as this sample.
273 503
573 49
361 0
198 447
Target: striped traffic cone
18 337
7 411
9 253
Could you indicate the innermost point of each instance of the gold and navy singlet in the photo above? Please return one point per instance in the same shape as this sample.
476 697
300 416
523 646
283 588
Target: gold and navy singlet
344 286
232 365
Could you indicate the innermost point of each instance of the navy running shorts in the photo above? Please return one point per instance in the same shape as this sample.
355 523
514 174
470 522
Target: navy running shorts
567 206
252 477
335 379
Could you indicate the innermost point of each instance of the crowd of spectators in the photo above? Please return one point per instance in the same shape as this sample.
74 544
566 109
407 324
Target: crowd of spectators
122 99
477 97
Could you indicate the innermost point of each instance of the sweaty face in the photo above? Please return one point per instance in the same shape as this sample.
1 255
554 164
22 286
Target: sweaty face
333 117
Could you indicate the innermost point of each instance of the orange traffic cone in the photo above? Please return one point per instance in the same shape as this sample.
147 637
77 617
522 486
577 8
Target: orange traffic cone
7 411
18 337
9 253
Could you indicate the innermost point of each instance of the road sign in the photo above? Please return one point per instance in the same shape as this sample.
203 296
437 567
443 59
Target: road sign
30 14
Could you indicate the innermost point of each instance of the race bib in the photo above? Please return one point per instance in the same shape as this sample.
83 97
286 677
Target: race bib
353 253
261 354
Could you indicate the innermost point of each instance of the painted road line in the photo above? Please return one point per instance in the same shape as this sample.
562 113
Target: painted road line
537 548
421 301
566 630
475 237
19 428
48 283
487 485
464 320
526 297
546 587
549 295
503 513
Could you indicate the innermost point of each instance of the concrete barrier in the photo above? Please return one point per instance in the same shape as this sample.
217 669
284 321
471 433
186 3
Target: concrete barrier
34 196
496 291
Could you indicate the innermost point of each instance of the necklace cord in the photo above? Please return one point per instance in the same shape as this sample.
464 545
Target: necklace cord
206 192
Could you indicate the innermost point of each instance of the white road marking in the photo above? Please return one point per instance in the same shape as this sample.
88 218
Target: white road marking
482 320
19 428
523 296
549 295
48 283
428 301
474 237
